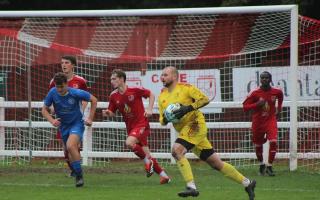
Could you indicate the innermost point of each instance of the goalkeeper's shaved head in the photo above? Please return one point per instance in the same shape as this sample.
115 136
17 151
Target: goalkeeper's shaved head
169 76
174 71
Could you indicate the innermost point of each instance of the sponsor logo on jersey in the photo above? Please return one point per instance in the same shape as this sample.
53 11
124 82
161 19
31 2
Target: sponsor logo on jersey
71 101
127 109
131 97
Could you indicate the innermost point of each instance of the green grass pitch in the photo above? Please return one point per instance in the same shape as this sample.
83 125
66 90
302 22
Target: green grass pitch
127 181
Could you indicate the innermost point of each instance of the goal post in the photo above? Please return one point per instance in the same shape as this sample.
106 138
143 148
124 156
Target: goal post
220 50
293 74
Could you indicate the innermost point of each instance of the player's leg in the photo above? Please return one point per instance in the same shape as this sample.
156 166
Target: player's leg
137 142
164 178
67 160
72 136
189 136
179 149
209 156
72 147
134 145
258 140
203 149
66 154
272 137
153 165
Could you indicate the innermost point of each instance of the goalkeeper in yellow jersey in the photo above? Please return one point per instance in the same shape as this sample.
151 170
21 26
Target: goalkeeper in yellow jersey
193 132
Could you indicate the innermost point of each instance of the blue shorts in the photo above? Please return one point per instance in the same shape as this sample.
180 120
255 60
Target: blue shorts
74 128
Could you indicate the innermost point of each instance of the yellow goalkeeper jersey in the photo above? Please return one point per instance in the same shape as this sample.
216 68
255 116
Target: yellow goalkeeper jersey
184 94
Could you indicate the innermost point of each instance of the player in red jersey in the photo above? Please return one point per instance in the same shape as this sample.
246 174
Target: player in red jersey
262 102
67 65
128 101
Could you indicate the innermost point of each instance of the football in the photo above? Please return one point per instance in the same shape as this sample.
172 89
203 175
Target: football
169 112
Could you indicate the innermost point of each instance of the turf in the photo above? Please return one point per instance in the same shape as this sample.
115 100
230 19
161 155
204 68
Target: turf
126 181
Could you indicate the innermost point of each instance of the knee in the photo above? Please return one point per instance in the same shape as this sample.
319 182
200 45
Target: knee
205 154
130 145
273 144
212 159
69 148
176 154
217 165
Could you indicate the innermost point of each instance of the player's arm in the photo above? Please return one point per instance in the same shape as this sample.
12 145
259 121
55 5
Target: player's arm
251 104
199 100
162 119
51 85
280 101
48 100
46 114
84 105
107 113
110 111
148 112
93 108
84 87
45 111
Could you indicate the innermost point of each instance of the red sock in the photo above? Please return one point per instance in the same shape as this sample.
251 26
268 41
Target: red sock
66 158
156 166
272 151
259 155
137 149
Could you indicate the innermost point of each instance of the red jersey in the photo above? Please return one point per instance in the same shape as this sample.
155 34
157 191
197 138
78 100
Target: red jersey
268 111
76 82
130 105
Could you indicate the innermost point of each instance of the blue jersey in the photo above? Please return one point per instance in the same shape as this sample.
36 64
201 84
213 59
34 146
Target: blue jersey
68 107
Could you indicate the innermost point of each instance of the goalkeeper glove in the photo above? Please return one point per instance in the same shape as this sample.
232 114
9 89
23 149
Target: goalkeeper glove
182 111
165 120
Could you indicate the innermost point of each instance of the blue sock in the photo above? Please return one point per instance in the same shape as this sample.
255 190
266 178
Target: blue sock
76 166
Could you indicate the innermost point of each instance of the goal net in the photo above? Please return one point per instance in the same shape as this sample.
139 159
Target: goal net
220 50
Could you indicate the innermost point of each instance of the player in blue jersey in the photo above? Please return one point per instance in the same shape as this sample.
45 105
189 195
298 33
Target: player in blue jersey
67 105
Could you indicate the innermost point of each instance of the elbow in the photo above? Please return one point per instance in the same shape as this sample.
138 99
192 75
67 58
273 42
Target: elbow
202 103
94 100
207 102
163 122
152 95
44 111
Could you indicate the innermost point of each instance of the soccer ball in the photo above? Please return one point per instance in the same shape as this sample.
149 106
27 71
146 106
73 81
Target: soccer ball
169 112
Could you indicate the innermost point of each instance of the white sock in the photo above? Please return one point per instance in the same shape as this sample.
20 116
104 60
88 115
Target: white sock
163 173
146 160
246 182
191 184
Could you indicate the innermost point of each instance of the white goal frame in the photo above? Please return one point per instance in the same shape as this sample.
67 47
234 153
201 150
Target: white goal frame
293 104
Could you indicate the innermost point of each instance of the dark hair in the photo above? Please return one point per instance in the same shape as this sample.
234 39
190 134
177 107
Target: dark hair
60 78
72 59
120 74
268 73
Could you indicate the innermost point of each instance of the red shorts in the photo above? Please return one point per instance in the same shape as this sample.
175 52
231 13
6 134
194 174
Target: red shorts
141 133
262 133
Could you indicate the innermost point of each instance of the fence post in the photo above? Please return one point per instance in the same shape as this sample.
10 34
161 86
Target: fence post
2 129
87 140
